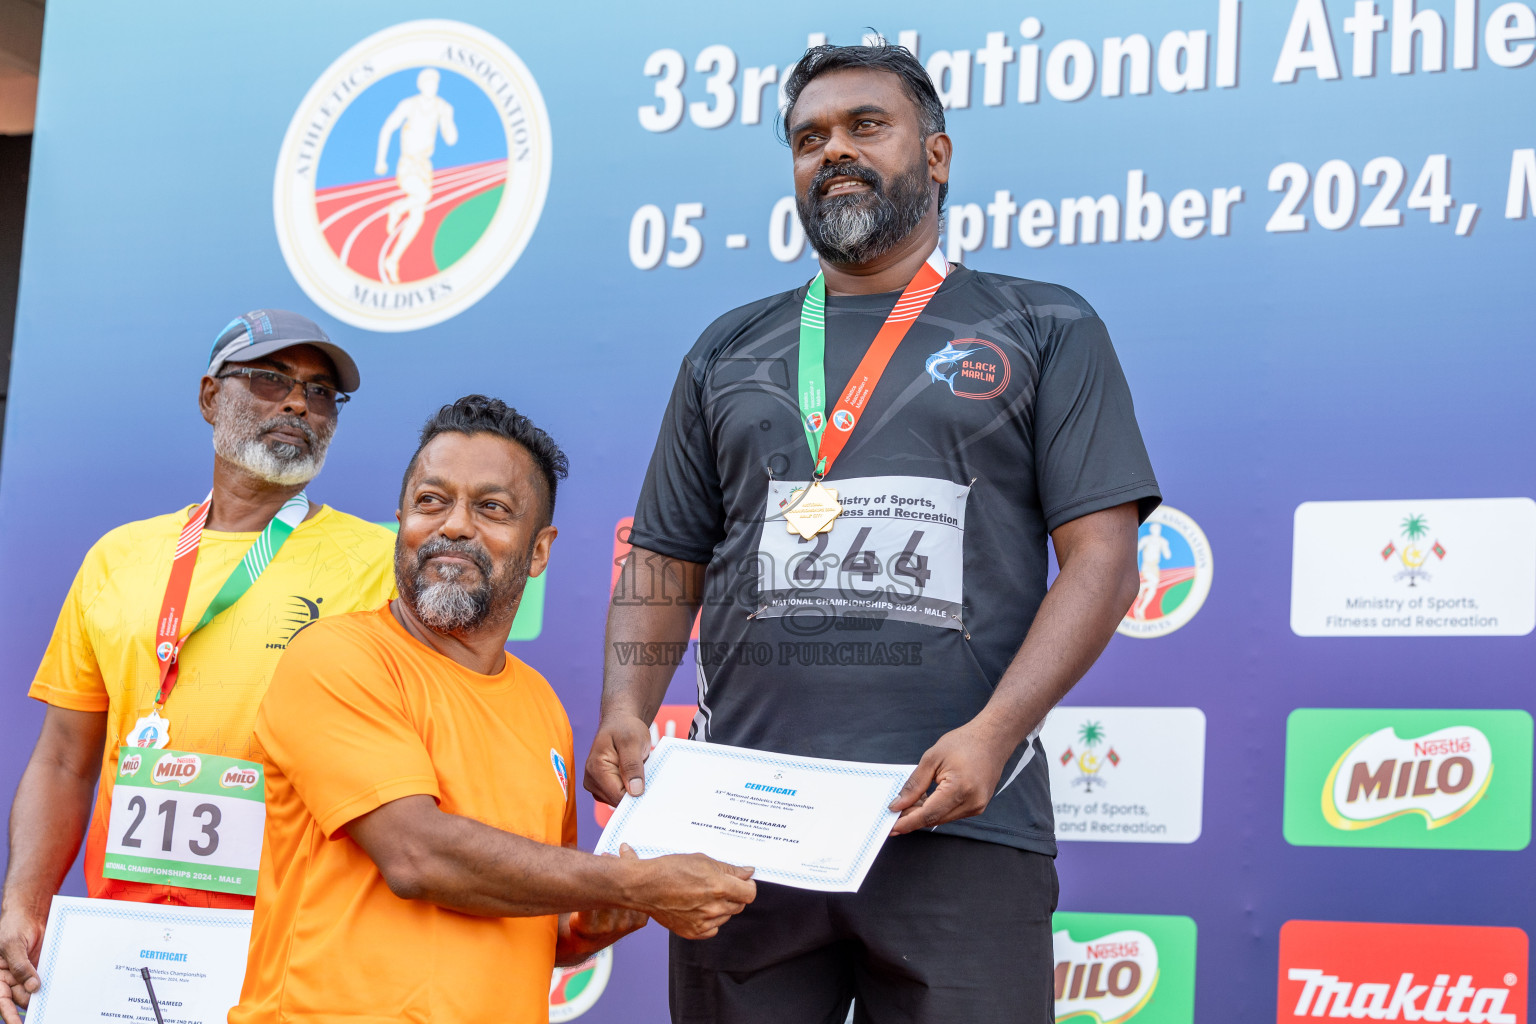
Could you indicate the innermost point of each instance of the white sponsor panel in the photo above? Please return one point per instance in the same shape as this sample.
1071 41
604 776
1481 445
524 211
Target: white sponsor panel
1126 775
1432 567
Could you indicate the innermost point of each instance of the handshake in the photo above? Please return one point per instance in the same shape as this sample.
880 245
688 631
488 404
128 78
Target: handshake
691 895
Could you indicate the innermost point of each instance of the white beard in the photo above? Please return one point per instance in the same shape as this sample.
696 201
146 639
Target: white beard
237 438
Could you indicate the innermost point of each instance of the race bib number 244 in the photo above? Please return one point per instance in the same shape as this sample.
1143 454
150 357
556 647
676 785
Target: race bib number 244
896 551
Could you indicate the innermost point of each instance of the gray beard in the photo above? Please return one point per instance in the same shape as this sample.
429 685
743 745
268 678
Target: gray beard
853 229
237 438
446 604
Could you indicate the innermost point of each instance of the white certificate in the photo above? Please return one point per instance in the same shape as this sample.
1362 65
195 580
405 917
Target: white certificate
800 821
94 953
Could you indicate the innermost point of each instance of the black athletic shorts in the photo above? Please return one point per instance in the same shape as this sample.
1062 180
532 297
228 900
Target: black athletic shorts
944 930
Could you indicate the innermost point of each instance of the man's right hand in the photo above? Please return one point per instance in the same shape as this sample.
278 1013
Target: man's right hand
616 764
692 895
21 937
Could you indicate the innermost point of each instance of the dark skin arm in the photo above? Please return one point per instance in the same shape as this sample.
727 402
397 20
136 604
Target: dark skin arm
1097 583
48 822
461 864
648 605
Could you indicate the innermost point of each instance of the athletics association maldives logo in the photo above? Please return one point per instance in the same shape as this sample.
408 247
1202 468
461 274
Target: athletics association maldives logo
1175 561
1416 549
558 764
412 175
842 419
575 990
972 367
1090 763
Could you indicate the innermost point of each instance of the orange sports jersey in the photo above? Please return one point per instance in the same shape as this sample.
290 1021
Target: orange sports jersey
361 713
102 655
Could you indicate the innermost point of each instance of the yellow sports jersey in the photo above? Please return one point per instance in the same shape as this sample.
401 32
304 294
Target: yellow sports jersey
102 654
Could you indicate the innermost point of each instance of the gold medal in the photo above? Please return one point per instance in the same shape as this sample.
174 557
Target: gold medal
815 511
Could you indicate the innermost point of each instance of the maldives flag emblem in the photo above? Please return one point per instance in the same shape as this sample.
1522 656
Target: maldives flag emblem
1402 972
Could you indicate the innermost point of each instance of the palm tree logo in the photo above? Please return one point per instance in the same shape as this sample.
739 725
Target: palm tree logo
1414 530
1089 763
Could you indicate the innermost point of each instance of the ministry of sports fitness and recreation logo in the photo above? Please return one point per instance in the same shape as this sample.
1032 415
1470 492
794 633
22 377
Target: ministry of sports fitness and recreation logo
1413 548
575 990
1175 561
1113 968
1431 779
1090 761
412 175
972 367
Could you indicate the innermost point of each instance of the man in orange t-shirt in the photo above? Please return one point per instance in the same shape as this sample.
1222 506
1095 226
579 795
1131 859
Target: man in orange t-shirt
418 776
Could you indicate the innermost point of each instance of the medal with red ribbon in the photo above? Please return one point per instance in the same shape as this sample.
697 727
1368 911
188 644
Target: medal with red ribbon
152 730
818 506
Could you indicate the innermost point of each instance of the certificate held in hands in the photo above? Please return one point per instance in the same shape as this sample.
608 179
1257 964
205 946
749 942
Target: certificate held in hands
800 821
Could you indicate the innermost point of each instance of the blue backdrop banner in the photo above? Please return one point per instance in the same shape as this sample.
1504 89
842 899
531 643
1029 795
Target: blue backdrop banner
1298 783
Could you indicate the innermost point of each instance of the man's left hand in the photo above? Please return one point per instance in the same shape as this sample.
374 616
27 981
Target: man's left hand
963 767
587 931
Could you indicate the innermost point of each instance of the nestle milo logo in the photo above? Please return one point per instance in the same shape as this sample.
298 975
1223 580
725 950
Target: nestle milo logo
178 768
1105 980
130 764
1114 968
1428 779
1382 776
239 775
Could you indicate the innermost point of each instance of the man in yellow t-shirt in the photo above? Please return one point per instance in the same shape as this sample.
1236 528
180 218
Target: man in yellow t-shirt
274 386
421 818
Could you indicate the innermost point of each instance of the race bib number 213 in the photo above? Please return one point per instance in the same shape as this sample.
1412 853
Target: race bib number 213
184 819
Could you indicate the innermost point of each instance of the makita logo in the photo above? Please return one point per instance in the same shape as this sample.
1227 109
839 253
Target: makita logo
1461 1003
1440 777
1107 979
1441 974
245 778
130 764
180 769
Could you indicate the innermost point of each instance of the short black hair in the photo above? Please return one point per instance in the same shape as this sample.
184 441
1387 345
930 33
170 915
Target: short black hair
883 56
477 414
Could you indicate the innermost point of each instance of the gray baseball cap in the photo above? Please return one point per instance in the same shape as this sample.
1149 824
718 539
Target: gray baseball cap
264 331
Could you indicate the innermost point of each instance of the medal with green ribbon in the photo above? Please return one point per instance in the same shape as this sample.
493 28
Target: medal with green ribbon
818 507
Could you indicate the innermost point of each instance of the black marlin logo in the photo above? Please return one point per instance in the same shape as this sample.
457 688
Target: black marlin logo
980 370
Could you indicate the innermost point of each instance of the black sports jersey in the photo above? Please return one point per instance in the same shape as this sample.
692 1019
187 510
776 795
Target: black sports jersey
1003 414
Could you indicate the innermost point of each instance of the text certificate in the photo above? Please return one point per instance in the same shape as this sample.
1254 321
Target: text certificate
801 821
94 952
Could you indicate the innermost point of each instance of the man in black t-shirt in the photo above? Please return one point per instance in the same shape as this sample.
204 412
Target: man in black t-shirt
956 419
